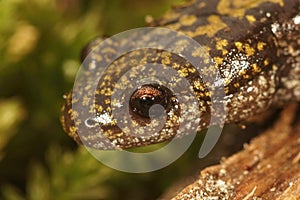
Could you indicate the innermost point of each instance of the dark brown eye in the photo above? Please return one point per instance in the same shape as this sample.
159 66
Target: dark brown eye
148 95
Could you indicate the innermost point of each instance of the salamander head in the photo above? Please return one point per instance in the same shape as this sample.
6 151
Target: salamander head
142 97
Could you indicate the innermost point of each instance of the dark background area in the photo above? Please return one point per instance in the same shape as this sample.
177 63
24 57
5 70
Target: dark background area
40 44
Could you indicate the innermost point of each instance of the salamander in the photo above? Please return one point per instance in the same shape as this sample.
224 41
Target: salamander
255 47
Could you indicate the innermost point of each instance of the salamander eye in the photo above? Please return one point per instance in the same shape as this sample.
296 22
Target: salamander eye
148 95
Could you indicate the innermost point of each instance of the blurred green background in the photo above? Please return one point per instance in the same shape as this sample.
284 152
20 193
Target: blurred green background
40 44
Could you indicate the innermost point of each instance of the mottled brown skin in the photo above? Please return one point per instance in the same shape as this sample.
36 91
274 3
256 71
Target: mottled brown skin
254 45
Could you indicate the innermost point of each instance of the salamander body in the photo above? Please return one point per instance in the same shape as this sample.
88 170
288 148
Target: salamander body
254 46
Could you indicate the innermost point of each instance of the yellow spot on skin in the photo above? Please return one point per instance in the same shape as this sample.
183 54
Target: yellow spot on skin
226 90
215 24
175 26
77 123
183 72
206 48
182 43
166 58
218 60
246 76
274 67
260 46
206 60
72 131
107 101
133 62
175 66
99 108
207 94
85 101
250 18
198 85
256 68
249 50
70 111
199 52
166 61
188 20
266 62
91 109
74 100
192 70
227 81
105 91
97 57
236 85
108 50
74 114
221 43
107 78
87 88
239 46
242 72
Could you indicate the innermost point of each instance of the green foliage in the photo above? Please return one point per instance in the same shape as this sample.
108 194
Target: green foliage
40 44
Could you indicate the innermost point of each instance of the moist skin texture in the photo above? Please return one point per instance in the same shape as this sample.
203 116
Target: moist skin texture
254 45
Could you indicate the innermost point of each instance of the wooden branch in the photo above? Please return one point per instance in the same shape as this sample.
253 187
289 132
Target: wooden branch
267 168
